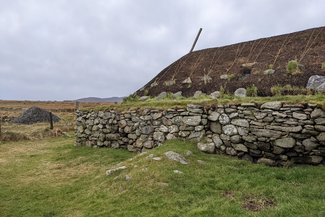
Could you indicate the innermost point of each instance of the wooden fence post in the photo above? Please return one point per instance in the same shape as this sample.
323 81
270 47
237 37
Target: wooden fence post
51 121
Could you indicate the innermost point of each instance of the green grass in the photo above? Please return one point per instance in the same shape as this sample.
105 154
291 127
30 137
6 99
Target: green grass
54 178
206 101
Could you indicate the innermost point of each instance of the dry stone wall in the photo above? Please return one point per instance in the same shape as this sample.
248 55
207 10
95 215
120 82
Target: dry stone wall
273 133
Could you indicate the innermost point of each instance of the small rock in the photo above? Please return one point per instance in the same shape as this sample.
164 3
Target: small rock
215 127
269 72
224 77
317 113
206 147
240 122
240 92
162 95
198 93
187 81
309 144
170 136
156 158
215 94
217 141
201 162
321 137
214 116
320 121
177 171
240 147
266 161
148 144
178 94
300 116
171 155
192 120
231 151
127 178
111 171
229 130
159 136
144 98
188 153
224 119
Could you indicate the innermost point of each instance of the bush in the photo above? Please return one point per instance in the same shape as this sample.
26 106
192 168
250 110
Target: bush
131 98
251 90
231 76
293 67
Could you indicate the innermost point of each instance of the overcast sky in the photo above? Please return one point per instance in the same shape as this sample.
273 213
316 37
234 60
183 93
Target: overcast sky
68 49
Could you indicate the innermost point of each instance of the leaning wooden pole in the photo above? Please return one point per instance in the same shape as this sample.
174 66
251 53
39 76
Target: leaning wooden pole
196 39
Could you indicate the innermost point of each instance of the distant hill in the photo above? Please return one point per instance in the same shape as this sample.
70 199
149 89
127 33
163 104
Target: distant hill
97 99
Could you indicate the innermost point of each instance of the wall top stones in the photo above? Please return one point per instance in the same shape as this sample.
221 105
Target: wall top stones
273 132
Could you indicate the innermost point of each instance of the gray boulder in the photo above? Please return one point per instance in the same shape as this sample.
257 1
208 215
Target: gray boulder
214 116
161 95
215 94
317 83
229 130
198 93
178 94
206 147
171 155
240 92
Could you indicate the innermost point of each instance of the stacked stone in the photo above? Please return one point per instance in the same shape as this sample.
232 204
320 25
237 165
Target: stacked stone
138 130
273 133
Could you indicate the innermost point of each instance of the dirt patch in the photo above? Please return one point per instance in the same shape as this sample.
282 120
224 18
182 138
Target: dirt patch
257 204
261 62
229 195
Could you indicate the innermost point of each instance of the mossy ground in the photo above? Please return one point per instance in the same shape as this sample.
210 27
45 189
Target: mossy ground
51 177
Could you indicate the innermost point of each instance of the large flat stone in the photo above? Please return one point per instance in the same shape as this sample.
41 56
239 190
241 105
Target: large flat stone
192 120
287 142
272 105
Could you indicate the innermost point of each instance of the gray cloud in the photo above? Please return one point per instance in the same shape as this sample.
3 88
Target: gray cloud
68 49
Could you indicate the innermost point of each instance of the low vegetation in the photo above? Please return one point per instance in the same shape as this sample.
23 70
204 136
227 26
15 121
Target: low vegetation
294 67
53 178
290 90
206 100
252 91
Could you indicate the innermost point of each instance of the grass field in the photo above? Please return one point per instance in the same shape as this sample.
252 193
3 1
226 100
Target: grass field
51 177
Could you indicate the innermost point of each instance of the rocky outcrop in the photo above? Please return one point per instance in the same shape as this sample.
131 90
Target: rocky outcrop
273 133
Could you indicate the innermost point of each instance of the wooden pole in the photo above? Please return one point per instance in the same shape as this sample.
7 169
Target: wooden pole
51 121
196 39
77 105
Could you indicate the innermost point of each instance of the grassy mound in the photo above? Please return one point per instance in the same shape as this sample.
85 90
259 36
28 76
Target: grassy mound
54 178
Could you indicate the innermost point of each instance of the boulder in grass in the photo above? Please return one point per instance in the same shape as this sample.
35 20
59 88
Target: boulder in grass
35 115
